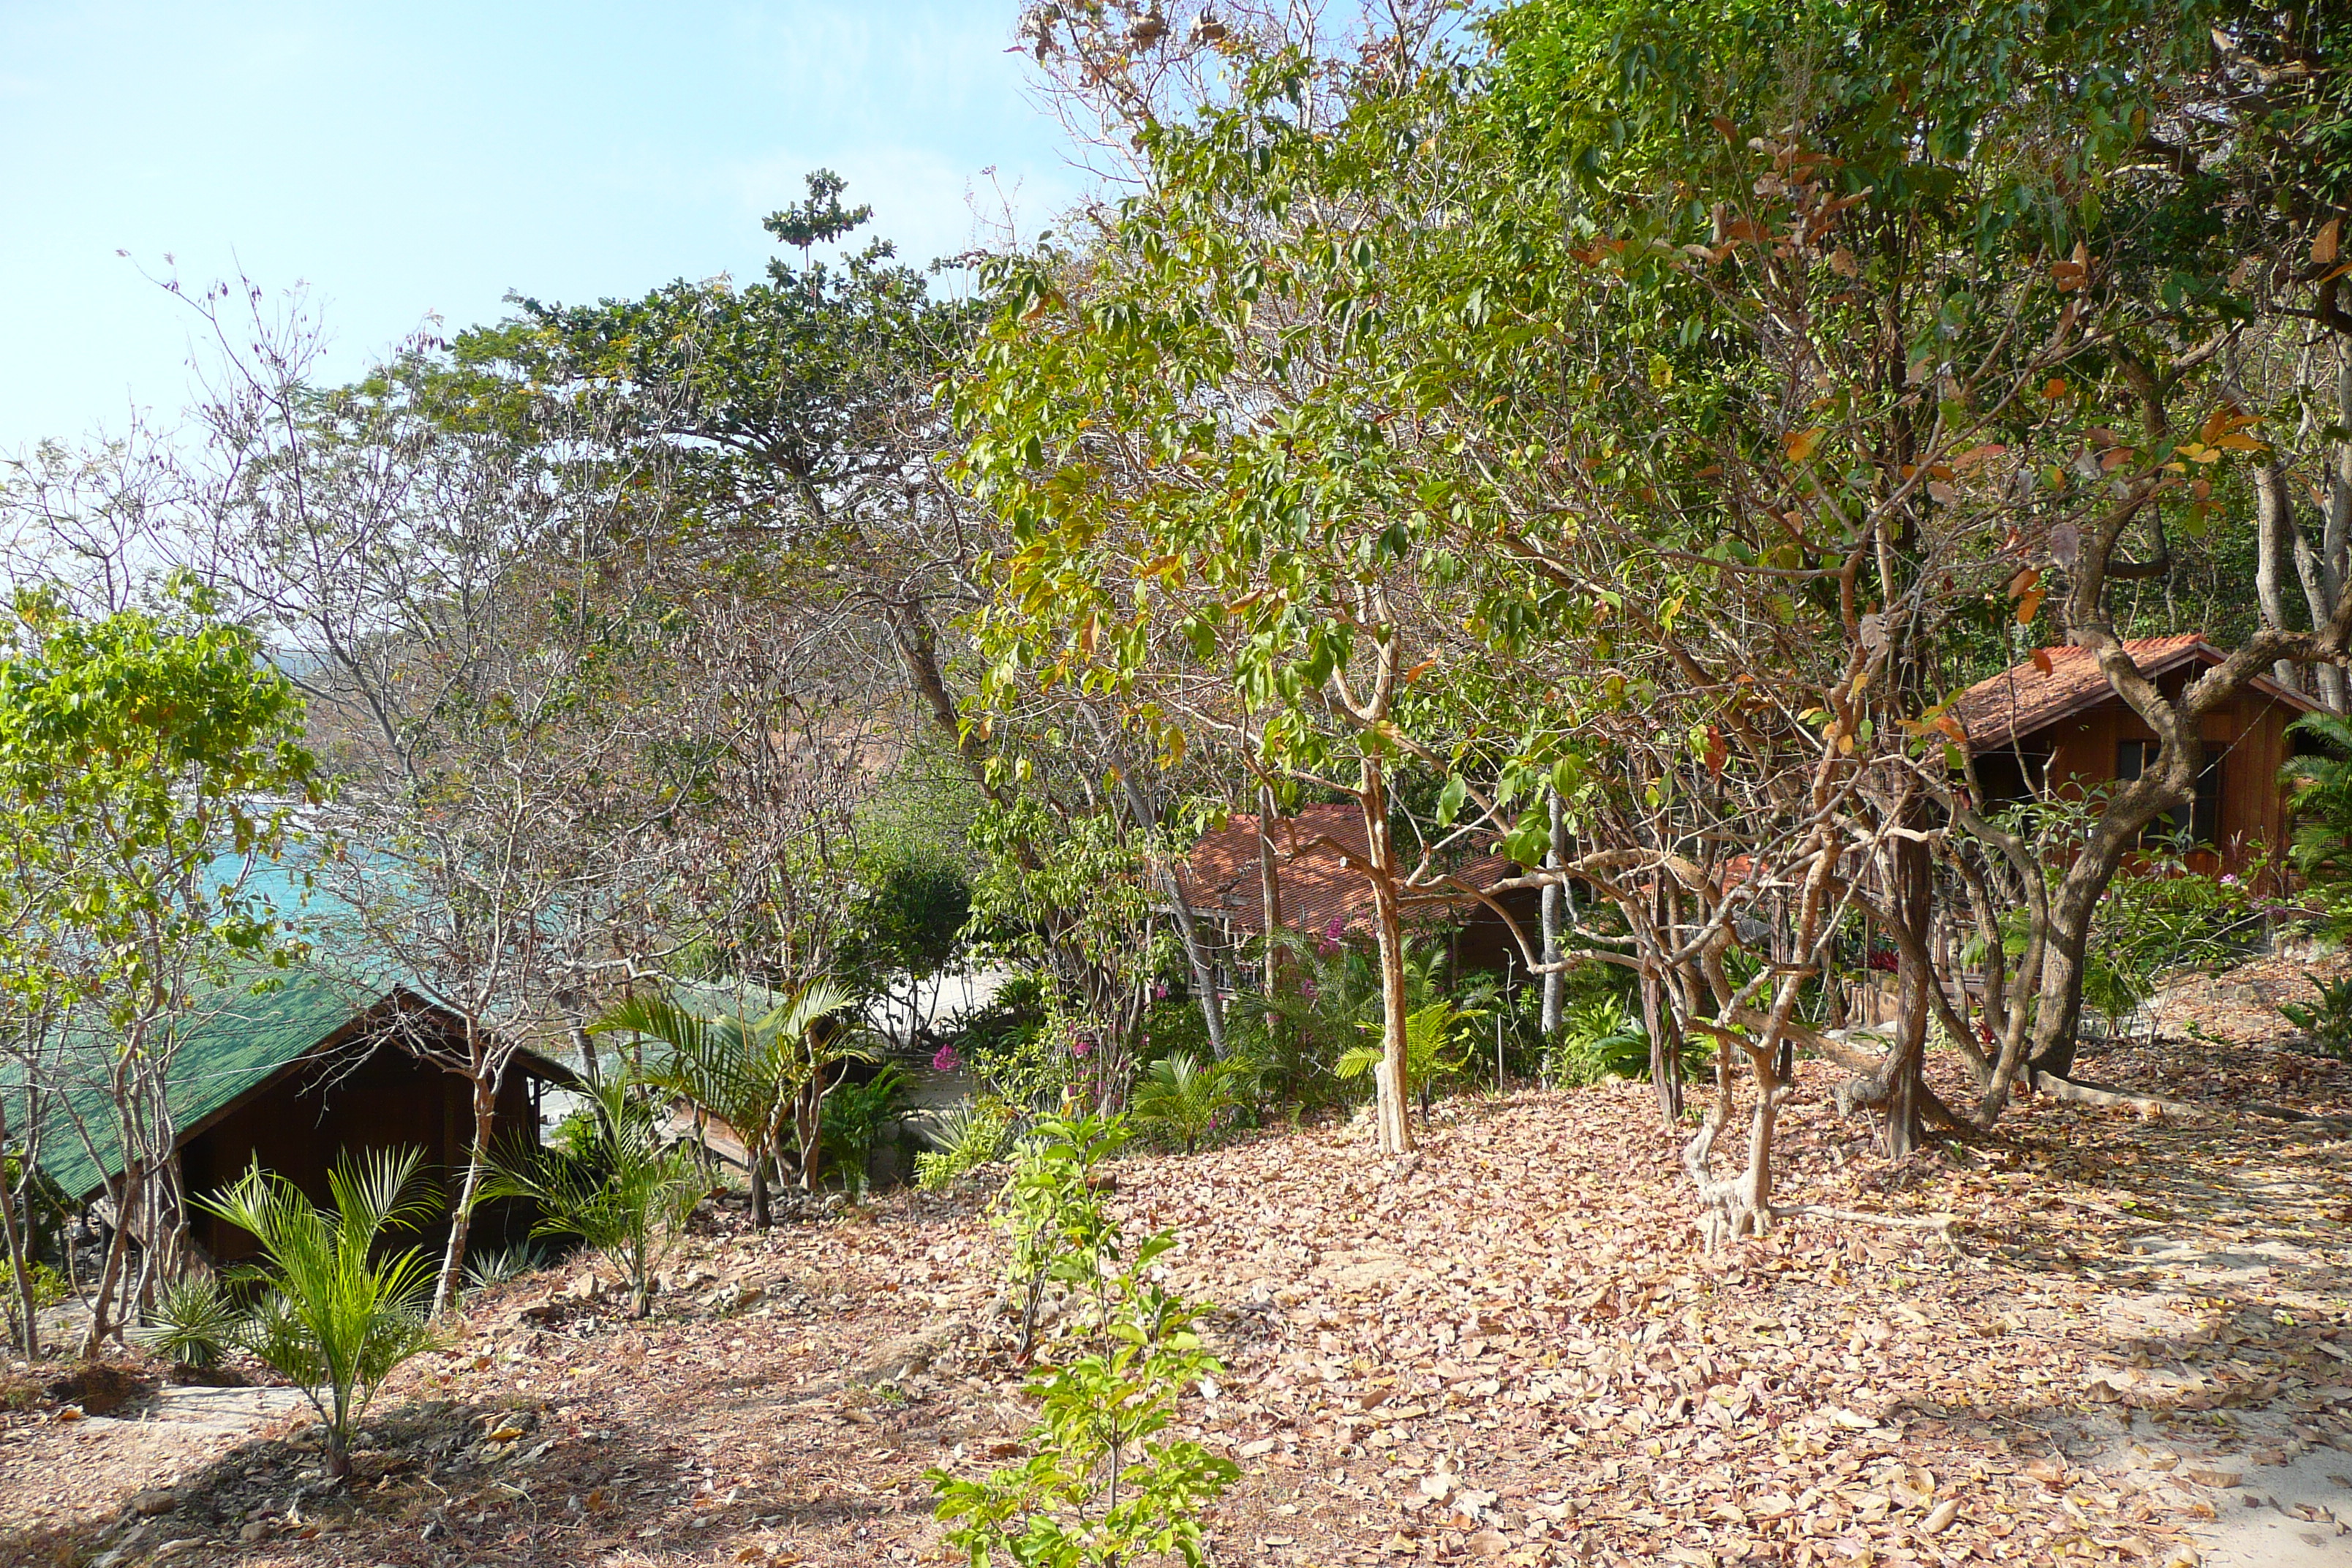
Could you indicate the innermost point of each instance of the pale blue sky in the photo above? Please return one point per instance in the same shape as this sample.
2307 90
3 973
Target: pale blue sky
422 157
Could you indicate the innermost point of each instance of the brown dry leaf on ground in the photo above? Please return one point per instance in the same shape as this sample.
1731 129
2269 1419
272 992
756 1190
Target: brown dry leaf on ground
1508 1349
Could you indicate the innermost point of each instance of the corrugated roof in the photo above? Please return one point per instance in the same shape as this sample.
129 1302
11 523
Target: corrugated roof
1219 876
243 1040
2018 701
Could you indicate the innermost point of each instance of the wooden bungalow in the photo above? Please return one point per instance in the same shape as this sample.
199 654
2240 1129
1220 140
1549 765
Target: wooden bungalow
296 1076
2055 722
1324 896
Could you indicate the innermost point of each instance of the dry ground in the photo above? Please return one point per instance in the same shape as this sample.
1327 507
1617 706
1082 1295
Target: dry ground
1507 1349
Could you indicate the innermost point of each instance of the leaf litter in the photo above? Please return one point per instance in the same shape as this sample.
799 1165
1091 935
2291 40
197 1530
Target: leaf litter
1507 1349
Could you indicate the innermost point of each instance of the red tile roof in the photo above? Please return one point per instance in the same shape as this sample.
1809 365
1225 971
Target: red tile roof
2018 701
1219 877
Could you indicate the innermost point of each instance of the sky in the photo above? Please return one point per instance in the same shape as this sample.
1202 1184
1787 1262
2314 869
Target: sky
404 161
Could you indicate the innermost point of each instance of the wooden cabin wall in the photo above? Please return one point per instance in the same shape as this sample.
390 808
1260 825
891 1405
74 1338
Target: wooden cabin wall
300 1125
2249 736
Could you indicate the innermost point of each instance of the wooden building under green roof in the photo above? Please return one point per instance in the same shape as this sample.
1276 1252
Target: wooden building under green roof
295 1076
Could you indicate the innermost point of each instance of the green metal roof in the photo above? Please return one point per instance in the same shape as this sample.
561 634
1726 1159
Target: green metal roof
242 1040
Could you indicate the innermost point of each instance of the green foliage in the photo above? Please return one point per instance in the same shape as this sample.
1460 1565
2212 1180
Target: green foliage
1052 1210
626 1199
1437 1048
1178 1099
911 918
337 1312
142 755
498 1265
2328 1022
964 1138
857 1115
2163 918
49 1286
2320 793
754 1072
192 1323
1097 1489
1070 898
1330 998
1599 1040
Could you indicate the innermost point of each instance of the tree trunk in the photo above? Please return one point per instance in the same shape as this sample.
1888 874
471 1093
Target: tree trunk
759 1160
1665 1059
808 1124
1204 979
1910 900
585 1044
461 1217
1758 1177
2051 1045
20 1260
1269 898
109 1275
2274 526
1555 983
1395 1079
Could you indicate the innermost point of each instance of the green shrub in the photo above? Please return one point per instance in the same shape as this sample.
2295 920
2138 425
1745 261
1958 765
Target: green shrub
334 1317
2329 1022
1097 1489
192 1323
49 1286
1179 1100
857 1115
626 1197
963 1138
1051 1210
502 1264
1435 1048
1600 1040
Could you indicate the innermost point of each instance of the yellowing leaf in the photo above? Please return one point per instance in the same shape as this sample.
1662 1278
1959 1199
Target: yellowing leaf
1803 443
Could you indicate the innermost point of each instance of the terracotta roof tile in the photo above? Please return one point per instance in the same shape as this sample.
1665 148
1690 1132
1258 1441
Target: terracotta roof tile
2018 700
1318 886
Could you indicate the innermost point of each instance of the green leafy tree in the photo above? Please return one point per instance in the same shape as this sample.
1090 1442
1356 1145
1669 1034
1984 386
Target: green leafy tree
151 759
337 1312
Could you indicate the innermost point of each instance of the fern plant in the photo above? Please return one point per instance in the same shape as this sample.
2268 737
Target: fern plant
1179 1100
1599 1040
1434 1046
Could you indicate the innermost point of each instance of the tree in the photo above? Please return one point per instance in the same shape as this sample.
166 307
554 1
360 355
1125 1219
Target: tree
762 1075
151 759
799 411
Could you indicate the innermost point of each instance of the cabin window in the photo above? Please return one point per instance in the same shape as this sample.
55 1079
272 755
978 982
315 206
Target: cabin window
2203 812
2009 775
